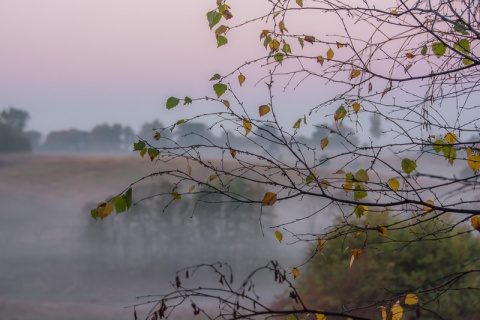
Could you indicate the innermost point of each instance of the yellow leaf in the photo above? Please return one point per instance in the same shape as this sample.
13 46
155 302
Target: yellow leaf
340 172
410 55
355 72
324 184
279 236
226 103
321 243
339 45
384 312
357 234
395 12
269 199
356 252
104 209
282 27
221 30
360 210
241 79
382 230
324 143
330 54
356 107
263 110
295 273
469 151
264 34
475 221
191 189
474 162
320 316
428 208
274 45
320 60
347 187
300 3
297 124
394 184
397 311
212 177
189 169
247 125
233 153
450 138
411 299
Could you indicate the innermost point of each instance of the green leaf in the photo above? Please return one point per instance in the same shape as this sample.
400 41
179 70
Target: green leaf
359 191
286 48
467 62
449 153
94 213
143 152
438 145
127 197
424 50
439 49
221 40
340 113
361 176
279 57
301 41
349 177
463 46
360 211
153 153
119 203
172 102
408 165
216 76
156 136
187 100
219 89
310 178
213 18
176 196
460 27
138 146
267 41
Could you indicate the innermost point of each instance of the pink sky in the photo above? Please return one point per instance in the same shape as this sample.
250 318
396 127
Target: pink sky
78 63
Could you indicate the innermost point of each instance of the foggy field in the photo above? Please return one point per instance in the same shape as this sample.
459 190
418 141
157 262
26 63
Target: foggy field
58 263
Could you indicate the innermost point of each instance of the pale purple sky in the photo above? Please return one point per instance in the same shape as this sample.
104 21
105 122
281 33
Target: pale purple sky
77 63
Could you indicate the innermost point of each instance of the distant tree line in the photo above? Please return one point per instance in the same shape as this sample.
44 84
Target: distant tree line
115 138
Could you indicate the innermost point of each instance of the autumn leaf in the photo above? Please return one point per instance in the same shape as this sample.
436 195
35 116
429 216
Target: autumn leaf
299 2
324 143
360 210
324 184
339 45
233 153
410 55
269 199
355 73
310 39
382 230
348 186
427 207
320 60
393 184
330 54
226 103
474 162
241 79
104 209
320 243
279 236
411 299
340 113
451 138
356 107
274 45
396 311
247 125
475 221
295 273
297 124
227 14
320 316
282 27
221 30
355 255
264 34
